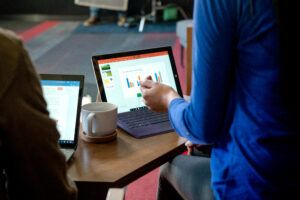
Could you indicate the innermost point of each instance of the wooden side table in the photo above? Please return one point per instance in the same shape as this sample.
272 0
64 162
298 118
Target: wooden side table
96 167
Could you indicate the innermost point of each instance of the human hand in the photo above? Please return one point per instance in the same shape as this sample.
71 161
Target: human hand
157 96
189 145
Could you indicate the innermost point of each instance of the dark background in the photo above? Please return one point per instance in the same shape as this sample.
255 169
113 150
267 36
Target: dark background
67 7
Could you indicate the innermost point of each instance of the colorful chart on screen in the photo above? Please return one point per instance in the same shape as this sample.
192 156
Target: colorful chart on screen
130 76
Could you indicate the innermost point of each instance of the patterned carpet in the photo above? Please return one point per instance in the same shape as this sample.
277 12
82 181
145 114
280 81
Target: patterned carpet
56 47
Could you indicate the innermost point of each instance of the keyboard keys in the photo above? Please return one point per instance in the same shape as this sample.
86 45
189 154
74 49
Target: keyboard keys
142 117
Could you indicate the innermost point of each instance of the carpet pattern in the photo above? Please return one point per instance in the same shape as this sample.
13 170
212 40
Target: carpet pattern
56 47
161 27
37 30
66 47
17 26
144 188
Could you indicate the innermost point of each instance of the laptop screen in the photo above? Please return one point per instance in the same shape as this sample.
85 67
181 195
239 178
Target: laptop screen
62 98
120 76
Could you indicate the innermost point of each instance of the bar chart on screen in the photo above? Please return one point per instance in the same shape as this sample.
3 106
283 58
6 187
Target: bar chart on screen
130 77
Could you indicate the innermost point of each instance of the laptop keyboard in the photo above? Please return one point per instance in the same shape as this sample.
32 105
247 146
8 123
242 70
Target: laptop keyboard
142 117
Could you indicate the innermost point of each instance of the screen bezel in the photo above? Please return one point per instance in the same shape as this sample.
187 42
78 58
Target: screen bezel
64 77
97 73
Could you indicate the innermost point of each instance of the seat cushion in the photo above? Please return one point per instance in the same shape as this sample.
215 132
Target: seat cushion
181 30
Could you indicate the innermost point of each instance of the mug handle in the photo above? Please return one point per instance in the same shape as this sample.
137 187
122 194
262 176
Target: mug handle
90 125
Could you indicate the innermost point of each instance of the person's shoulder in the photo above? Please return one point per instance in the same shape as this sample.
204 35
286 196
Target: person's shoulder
9 38
11 48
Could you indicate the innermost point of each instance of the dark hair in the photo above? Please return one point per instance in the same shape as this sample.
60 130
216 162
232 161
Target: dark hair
289 66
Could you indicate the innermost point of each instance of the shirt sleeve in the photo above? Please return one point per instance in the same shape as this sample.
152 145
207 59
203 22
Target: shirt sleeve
214 41
35 167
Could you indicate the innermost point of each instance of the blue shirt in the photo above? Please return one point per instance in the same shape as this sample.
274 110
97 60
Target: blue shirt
235 102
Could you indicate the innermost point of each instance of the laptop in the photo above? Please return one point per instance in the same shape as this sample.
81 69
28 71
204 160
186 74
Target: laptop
118 77
63 94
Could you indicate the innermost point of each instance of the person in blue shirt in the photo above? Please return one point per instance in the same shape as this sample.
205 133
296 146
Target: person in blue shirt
240 103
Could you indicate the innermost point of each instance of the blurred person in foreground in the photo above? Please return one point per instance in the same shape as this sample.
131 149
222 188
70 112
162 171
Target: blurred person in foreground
32 166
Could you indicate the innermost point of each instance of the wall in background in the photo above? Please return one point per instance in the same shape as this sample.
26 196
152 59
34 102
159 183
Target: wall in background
59 7
187 5
67 7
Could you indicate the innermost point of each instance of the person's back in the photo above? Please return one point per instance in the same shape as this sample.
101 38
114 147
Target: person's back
242 102
237 103
32 166
255 155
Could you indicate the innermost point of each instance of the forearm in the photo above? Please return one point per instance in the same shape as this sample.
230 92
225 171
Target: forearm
202 120
170 96
177 109
185 124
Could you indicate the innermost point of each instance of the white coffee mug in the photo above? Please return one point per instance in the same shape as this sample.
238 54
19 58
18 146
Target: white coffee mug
99 118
